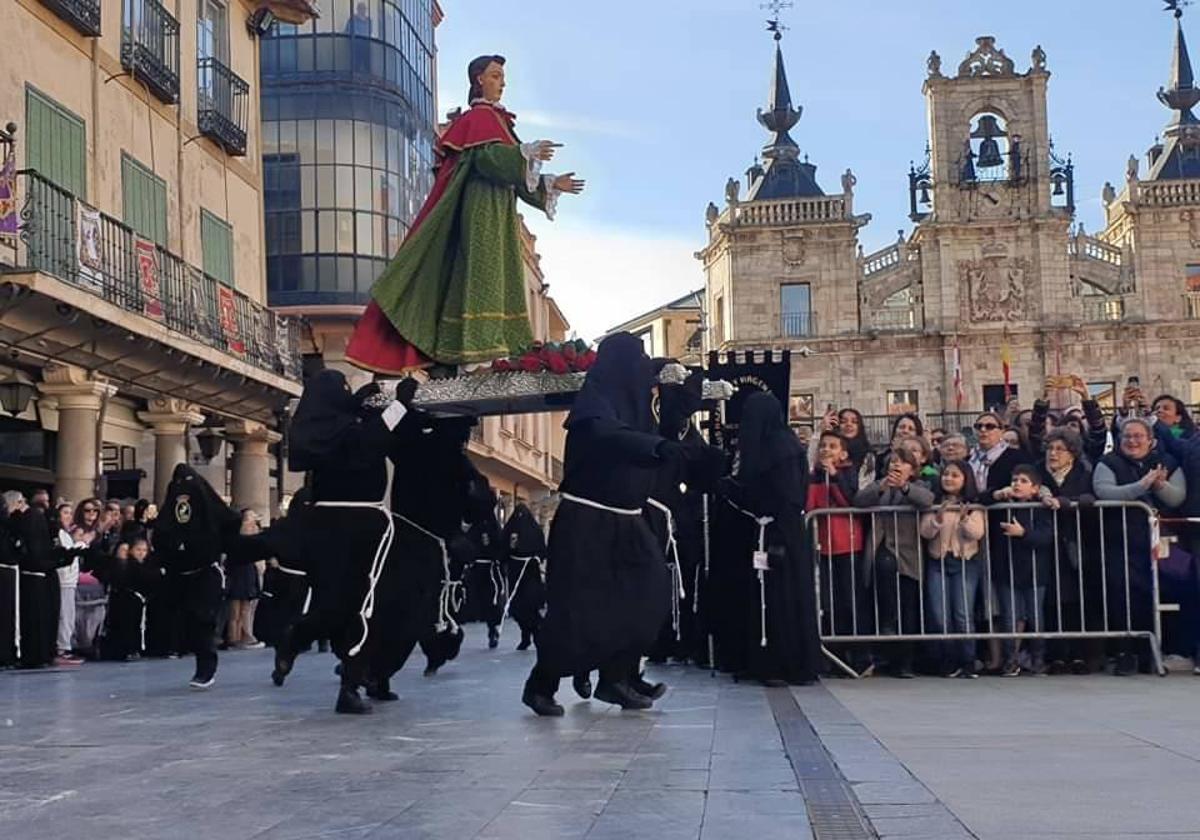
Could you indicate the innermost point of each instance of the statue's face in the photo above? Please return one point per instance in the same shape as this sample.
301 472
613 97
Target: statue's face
491 82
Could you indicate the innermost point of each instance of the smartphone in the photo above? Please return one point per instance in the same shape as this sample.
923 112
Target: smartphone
1134 382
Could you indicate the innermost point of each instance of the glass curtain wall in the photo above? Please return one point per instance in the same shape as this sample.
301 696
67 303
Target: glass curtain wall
348 129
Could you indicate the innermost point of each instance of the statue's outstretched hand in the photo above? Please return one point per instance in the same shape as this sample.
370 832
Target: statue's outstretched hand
568 183
545 149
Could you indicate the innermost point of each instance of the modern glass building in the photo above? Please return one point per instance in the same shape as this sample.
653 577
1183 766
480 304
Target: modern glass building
348 122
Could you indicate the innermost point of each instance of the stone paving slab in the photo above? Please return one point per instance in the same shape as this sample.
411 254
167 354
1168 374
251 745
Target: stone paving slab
126 750
1094 757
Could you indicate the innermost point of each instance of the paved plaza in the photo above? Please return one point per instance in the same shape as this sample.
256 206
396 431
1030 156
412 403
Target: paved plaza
127 751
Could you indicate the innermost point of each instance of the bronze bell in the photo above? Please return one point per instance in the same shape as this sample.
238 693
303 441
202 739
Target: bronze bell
989 154
924 197
1059 178
989 150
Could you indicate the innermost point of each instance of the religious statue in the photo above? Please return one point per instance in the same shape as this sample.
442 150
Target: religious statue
1039 58
711 213
934 65
849 181
732 190
1109 194
454 294
1131 168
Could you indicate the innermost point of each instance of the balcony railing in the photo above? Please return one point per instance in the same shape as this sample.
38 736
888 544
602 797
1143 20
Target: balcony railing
1169 193
797 324
1100 308
791 211
895 319
84 15
150 47
1191 306
143 278
222 105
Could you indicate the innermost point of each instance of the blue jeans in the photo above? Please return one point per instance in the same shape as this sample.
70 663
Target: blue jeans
1021 603
950 588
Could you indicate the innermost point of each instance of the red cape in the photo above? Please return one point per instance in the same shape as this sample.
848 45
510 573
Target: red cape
375 345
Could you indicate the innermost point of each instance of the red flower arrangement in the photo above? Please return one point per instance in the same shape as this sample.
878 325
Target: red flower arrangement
553 357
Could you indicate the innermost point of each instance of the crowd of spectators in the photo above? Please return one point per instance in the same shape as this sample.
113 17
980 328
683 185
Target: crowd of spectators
84 583
995 529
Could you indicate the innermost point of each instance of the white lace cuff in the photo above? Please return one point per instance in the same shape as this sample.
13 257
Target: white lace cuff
533 165
552 194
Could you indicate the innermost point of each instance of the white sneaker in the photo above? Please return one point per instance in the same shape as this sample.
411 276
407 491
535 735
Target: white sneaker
200 684
1196 670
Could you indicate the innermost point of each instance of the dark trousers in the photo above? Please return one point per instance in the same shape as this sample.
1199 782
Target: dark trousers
620 668
899 603
200 595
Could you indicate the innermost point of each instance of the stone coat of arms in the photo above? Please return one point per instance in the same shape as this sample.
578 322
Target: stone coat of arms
997 291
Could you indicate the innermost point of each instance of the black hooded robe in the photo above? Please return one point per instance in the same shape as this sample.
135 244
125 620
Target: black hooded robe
525 547
348 533
190 535
420 593
607 586
679 486
10 596
782 643
487 589
130 586
38 555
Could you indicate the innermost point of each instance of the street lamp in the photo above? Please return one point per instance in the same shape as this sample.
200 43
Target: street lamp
210 442
16 392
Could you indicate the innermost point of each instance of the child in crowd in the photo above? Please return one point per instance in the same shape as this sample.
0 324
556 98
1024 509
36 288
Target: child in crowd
131 581
952 567
897 543
840 541
1024 567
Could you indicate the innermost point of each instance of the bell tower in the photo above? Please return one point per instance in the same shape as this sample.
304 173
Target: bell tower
992 197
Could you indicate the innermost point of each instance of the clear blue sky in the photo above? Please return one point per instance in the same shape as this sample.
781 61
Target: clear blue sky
655 101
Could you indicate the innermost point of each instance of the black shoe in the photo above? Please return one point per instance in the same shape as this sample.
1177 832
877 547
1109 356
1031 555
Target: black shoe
200 682
1127 665
493 637
349 703
646 689
431 670
381 690
904 673
526 641
620 694
582 685
285 659
542 705
1079 667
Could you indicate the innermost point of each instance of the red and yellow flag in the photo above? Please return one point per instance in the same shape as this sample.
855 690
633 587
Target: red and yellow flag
1006 367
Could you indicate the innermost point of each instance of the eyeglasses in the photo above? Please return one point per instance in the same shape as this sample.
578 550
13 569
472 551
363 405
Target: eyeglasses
91 510
986 427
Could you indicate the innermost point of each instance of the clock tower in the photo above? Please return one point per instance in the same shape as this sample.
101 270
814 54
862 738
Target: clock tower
992 200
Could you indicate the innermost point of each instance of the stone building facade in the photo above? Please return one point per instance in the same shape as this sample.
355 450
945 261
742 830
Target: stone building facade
132 282
994 265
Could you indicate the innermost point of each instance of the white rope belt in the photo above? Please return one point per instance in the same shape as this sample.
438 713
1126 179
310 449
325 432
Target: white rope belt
142 624
450 599
671 550
16 570
33 574
377 562
579 500
517 586
307 594
288 571
762 522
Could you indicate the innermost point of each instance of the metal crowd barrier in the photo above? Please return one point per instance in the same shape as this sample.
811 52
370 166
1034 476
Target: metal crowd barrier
1100 580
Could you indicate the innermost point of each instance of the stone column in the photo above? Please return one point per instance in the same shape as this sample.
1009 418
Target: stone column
169 420
251 465
80 396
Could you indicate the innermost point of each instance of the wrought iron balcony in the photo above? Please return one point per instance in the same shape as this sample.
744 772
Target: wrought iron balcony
150 47
150 281
84 15
1101 308
797 324
222 105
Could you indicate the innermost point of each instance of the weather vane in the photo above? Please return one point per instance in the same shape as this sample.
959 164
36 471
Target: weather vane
1176 7
776 6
